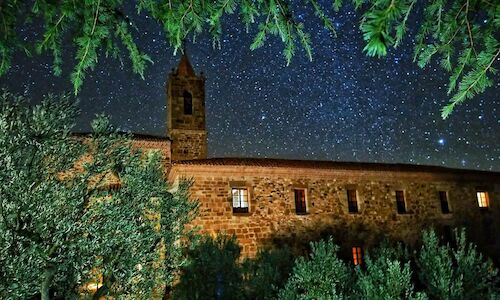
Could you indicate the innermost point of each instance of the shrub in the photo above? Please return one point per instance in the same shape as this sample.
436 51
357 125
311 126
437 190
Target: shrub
456 272
322 276
267 273
212 271
387 275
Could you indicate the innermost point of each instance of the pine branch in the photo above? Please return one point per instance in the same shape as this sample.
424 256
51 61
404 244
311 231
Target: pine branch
78 77
466 89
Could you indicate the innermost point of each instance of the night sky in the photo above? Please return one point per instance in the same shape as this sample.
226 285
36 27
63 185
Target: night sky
341 106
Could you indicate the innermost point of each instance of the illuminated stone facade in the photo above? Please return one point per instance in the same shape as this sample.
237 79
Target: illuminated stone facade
271 202
272 218
186 112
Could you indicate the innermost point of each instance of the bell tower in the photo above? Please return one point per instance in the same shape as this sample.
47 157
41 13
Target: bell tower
186 112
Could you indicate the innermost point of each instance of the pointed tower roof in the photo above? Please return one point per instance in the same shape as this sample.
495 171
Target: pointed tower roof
184 68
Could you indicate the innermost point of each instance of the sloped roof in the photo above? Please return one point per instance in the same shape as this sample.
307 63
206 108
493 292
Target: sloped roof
185 68
322 165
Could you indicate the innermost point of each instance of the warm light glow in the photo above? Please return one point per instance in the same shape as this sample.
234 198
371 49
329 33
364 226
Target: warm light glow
357 257
240 199
483 199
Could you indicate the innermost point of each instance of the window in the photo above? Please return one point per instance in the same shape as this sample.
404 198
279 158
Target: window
357 256
300 201
188 103
352 201
443 198
400 202
240 200
482 199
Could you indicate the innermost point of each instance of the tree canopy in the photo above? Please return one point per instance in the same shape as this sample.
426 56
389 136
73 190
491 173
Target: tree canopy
80 211
461 34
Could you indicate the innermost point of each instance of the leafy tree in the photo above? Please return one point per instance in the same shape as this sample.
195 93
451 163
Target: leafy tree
387 275
462 35
456 272
62 225
267 273
323 276
212 270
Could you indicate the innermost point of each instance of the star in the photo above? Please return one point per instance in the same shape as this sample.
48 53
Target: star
341 106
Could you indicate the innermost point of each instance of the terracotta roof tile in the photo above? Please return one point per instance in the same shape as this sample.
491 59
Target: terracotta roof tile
314 164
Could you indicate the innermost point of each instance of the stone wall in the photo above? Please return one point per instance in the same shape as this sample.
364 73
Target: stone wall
272 219
188 144
176 86
148 143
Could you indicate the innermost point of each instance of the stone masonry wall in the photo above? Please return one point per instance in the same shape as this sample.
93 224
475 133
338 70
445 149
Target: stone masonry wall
272 219
188 144
156 144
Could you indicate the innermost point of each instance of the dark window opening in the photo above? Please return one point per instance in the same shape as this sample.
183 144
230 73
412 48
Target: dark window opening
400 202
188 103
357 256
352 201
443 198
240 200
447 234
300 201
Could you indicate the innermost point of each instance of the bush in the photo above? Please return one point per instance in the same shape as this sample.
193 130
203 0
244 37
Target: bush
456 272
267 273
212 271
387 275
323 276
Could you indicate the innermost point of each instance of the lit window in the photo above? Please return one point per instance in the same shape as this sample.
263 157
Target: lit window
357 256
188 103
352 201
443 198
240 200
300 201
482 199
400 202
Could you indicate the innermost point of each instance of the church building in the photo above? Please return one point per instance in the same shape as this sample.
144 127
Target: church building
277 202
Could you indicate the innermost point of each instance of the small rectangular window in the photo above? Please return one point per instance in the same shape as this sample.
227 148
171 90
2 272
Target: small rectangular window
300 201
240 200
443 198
357 256
400 202
352 201
483 199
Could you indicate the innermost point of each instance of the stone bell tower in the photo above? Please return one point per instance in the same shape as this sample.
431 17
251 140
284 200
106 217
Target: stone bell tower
186 112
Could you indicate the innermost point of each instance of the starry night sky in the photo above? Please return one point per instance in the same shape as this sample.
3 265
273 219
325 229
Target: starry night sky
341 106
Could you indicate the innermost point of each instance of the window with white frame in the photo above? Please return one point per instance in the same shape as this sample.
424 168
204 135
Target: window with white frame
240 199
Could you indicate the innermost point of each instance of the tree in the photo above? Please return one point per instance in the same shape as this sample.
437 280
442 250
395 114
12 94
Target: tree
75 211
387 275
212 270
456 272
462 35
323 276
267 273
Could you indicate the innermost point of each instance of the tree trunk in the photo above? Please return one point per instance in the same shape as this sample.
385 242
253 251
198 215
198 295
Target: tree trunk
48 275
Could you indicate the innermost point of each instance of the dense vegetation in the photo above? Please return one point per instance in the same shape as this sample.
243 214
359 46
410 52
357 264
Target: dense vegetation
62 223
436 270
93 216
461 35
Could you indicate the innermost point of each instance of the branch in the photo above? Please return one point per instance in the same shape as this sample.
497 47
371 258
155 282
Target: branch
468 27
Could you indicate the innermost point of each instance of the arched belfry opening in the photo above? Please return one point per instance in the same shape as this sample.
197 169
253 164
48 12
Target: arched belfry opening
186 112
188 103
